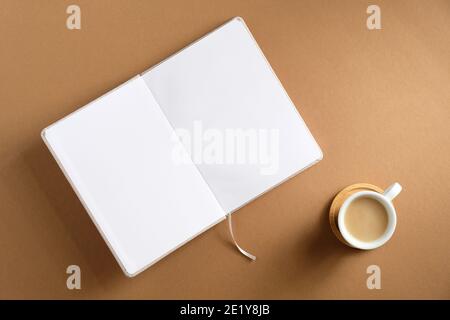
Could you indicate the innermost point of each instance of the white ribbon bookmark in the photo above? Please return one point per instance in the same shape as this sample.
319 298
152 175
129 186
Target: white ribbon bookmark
245 253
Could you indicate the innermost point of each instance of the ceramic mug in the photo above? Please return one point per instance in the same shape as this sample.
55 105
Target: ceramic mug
385 199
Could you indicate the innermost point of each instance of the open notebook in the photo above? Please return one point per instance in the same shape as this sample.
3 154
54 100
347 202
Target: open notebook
118 151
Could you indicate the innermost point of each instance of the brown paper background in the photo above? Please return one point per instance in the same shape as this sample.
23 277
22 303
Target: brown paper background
376 101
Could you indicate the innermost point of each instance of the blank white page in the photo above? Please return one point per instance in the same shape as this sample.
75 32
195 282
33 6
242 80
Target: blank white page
117 154
224 81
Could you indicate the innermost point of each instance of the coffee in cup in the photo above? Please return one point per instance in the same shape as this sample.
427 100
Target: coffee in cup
367 219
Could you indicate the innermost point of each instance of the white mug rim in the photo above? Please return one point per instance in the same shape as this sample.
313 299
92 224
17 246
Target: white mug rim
392 221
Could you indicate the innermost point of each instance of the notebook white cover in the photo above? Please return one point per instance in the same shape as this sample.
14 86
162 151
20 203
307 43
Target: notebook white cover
117 151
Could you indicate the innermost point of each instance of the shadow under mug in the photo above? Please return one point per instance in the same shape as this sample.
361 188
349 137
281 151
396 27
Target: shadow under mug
385 199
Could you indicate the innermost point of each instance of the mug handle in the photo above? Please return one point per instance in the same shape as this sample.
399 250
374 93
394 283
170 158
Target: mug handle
392 191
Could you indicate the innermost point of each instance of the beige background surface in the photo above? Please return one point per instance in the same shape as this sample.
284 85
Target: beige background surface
376 101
